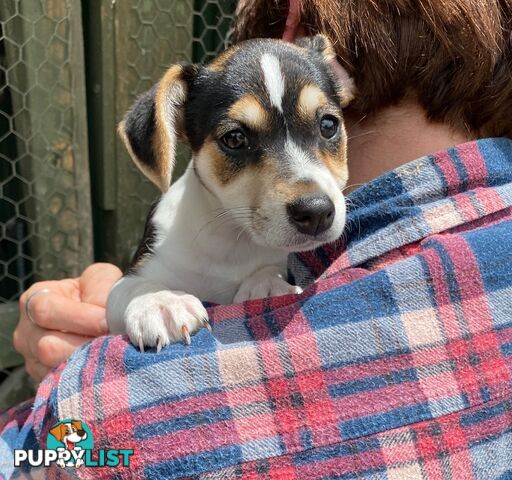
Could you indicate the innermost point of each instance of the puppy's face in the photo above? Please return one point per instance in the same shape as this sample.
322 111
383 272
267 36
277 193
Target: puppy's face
265 126
69 432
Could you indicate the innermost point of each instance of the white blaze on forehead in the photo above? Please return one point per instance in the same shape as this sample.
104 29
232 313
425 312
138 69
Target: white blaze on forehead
274 81
298 160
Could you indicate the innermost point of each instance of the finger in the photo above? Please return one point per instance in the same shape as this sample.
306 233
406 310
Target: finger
96 282
25 338
19 340
36 370
32 337
56 312
67 287
54 348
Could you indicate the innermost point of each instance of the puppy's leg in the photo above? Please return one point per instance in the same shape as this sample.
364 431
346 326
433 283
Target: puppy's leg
60 462
151 314
266 282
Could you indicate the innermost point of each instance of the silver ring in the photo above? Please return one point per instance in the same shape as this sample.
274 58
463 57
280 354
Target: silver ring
27 305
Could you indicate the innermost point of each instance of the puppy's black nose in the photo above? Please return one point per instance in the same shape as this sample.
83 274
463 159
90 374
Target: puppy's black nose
312 215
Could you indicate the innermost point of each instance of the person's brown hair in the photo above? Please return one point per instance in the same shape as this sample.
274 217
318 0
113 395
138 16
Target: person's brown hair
454 56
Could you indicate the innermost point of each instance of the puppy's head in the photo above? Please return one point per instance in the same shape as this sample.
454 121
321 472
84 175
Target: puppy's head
264 122
72 431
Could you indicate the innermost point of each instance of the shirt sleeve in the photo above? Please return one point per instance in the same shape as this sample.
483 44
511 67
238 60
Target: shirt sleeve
20 426
355 359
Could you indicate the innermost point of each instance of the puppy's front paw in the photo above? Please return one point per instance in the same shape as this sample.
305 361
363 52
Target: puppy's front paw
159 318
264 283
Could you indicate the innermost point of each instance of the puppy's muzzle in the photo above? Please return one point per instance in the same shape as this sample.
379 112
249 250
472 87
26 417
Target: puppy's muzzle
312 215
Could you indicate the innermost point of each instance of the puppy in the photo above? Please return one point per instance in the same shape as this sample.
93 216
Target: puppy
70 433
264 124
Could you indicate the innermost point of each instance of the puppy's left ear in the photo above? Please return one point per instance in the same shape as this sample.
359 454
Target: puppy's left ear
320 45
153 125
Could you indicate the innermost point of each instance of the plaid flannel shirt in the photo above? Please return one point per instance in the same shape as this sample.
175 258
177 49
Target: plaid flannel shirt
396 363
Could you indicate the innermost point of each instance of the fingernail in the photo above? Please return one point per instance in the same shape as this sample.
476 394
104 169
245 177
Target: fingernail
104 325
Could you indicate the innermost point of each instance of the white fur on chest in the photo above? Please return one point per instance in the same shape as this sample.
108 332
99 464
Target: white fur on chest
199 249
196 254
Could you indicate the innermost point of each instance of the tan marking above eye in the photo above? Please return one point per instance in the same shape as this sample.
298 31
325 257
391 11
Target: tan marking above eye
250 111
311 98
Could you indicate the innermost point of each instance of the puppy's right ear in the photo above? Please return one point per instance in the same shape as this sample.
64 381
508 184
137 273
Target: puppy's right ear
59 431
153 124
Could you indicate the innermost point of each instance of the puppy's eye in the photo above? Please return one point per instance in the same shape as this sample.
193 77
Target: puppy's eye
328 126
235 140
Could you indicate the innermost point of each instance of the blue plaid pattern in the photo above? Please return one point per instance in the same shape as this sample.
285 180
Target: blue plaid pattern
395 363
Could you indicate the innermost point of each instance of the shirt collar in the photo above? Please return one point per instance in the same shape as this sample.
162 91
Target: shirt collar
423 197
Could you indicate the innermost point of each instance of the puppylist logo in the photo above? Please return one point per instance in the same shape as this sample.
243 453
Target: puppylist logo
69 444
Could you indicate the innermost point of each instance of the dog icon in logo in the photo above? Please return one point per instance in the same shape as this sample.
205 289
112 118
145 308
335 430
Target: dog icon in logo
70 433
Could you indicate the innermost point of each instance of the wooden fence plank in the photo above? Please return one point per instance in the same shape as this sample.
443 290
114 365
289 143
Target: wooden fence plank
48 179
133 43
44 52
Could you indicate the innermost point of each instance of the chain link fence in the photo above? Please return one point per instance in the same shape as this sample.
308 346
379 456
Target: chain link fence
139 40
68 192
45 207
45 214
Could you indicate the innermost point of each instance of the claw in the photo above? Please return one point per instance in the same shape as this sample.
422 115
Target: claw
185 334
206 324
141 345
158 345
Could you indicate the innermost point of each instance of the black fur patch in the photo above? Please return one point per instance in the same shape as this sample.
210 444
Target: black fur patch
139 127
211 94
146 244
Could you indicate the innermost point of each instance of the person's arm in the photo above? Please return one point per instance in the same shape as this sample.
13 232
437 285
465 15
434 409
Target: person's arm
64 315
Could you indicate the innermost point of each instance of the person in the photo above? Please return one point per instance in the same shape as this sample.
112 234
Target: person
57 316
397 361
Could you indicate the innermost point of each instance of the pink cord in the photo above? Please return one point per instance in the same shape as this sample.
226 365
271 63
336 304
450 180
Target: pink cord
292 26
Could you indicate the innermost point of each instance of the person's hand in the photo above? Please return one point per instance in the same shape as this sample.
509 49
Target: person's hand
67 314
